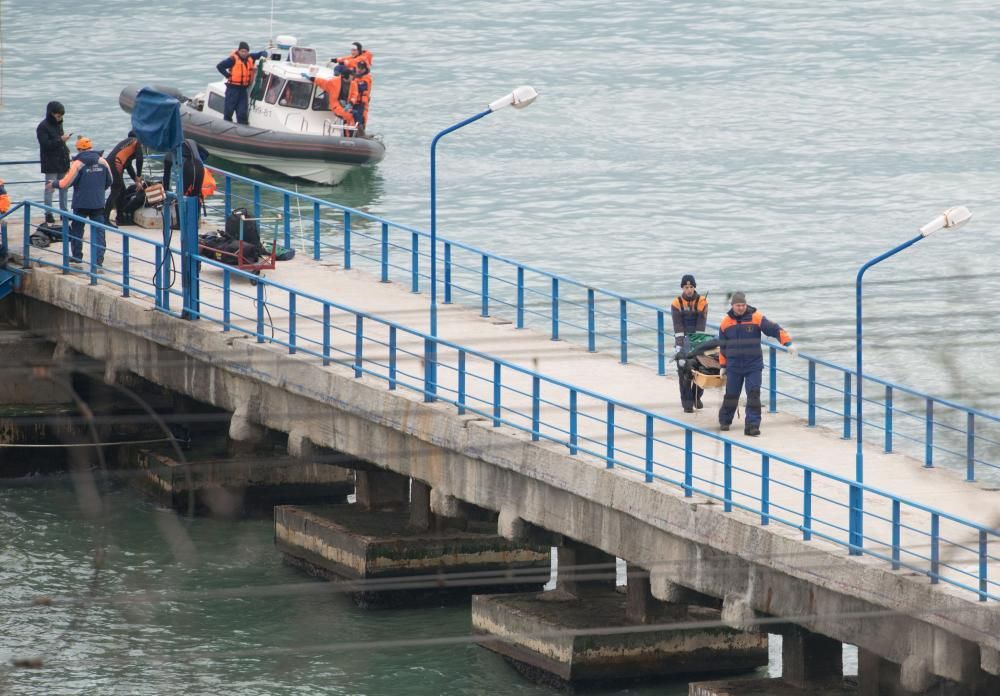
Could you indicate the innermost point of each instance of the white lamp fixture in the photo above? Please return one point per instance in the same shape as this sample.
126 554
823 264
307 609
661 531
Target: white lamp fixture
519 98
949 219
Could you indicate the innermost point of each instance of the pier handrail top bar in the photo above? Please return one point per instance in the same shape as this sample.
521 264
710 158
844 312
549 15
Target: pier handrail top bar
593 394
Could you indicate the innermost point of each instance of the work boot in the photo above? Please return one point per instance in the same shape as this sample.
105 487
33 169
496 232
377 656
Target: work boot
689 409
723 427
698 403
752 429
50 219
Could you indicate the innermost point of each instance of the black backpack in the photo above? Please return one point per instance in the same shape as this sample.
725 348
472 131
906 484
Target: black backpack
251 236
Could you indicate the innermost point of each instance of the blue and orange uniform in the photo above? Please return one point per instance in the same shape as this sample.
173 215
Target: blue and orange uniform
689 312
361 93
238 71
121 159
741 355
90 176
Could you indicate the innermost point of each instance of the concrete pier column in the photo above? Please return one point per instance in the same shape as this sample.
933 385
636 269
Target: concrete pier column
583 569
420 505
808 658
381 490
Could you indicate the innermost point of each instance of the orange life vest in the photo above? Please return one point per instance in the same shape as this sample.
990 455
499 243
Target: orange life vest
241 74
4 199
331 85
352 61
208 185
123 155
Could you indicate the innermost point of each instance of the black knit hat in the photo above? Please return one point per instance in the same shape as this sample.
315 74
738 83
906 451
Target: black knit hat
357 45
738 298
243 44
688 278
55 107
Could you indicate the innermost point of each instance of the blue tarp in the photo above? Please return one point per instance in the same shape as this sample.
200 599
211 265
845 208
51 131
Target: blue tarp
156 120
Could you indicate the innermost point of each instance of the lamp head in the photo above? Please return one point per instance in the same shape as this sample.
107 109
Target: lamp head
521 97
949 219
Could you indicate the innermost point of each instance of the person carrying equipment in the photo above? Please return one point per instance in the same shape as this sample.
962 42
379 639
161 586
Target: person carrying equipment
742 359
90 176
121 159
689 311
238 71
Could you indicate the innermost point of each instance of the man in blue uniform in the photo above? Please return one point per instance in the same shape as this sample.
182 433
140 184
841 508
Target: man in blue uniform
90 176
689 312
742 360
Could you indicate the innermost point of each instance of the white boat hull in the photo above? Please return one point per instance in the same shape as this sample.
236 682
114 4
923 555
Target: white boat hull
326 173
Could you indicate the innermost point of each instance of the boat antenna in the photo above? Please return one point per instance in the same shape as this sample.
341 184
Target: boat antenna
1 53
270 29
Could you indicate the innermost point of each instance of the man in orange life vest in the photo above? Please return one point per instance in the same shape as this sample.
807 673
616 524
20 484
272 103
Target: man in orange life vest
238 71
332 87
742 359
689 312
361 94
121 159
358 53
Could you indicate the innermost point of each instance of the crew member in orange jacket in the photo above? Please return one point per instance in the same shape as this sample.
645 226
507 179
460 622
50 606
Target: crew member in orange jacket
689 312
358 53
238 71
121 159
742 359
332 86
361 93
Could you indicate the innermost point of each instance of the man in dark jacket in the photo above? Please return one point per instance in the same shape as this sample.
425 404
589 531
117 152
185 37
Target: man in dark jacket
689 312
742 359
52 152
90 176
121 159
238 71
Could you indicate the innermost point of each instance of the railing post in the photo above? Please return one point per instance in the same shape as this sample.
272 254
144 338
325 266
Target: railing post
496 394
983 558
157 274
896 530
316 231
461 383
256 201
609 453
555 309
125 260
226 300
447 273
623 329
572 422
855 527
65 247
414 263
649 448
485 291
591 321
812 392
661 352
93 255
286 219
536 402
847 405
765 490
970 447
384 257
347 240
727 477
229 195
326 334
26 239
688 462
888 419
291 322
929 436
935 548
806 505
359 342
520 297
772 375
430 369
392 358
260 312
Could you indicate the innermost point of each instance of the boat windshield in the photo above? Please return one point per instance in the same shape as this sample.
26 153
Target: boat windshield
292 93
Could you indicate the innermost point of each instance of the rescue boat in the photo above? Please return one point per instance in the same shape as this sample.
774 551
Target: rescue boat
291 129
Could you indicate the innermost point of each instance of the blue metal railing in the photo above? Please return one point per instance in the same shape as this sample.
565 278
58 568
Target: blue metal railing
934 429
775 489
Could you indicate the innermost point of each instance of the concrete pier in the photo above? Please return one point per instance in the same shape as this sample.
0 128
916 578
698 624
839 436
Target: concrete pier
587 630
768 687
243 486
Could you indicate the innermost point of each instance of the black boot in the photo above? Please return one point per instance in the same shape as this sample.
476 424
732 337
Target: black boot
698 404
689 409
49 219
752 429
723 427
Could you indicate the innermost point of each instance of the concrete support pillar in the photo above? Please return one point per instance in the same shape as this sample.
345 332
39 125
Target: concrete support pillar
582 569
640 605
880 677
299 445
672 593
242 429
381 490
420 505
808 658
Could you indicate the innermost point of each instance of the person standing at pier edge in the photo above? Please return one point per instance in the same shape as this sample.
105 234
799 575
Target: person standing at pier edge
90 176
742 359
53 153
238 71
121 159
689 311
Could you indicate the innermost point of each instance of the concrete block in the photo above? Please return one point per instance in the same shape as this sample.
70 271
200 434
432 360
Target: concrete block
346 542
989 660
382 490
299 444
914 675
737 613
445 505
558 639
420 505
768 687
510 525
242 429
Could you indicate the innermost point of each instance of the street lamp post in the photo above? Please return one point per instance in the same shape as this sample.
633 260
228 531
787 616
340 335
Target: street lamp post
519 98
949 219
